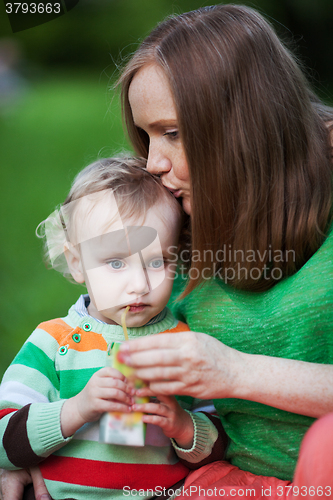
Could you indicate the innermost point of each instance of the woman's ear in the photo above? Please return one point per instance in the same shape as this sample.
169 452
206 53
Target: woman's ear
74 262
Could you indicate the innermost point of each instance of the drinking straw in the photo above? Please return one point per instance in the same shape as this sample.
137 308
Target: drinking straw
123 322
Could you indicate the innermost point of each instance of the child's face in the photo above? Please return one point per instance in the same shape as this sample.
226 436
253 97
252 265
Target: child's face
128 262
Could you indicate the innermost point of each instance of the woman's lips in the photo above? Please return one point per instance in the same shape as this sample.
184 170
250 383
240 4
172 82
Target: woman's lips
175 192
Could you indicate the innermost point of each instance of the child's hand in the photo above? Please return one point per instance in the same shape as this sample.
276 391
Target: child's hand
107 390
175 422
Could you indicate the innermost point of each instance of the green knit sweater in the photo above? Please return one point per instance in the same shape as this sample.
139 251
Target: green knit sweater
292 320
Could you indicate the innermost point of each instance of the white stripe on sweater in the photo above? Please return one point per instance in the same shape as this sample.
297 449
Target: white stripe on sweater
20 394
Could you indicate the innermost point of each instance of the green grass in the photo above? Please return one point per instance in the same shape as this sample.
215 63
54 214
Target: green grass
62 124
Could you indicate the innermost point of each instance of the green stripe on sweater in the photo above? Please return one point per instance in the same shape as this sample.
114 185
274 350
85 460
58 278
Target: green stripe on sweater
116 453
33 357
73 381
88 360
87 493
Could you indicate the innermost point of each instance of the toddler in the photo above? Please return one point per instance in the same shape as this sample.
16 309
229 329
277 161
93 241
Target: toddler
117 233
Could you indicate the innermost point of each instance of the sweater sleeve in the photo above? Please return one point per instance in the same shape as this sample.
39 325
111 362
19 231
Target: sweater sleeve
209 443
30 405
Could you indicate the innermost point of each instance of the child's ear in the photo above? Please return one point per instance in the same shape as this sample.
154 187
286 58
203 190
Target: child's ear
74 262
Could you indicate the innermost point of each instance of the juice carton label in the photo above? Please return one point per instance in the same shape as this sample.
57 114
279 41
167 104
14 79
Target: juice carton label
123 428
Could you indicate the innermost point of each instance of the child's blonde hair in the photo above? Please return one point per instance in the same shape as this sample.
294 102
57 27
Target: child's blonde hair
135 191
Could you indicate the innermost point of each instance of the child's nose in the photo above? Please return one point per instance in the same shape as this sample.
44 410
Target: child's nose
139 282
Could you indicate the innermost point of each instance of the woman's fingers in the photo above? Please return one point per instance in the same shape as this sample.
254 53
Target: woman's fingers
163 388
156 350
152 342
152 357
157 373
13 483
189 363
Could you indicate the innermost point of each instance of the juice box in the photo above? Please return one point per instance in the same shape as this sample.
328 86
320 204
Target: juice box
123 428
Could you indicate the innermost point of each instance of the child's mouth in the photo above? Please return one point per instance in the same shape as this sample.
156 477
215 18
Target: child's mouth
137 308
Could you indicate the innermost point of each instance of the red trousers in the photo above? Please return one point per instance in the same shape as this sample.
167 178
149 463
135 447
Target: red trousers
313 478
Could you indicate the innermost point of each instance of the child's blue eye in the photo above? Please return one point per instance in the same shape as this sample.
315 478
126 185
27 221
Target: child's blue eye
156 263
116 264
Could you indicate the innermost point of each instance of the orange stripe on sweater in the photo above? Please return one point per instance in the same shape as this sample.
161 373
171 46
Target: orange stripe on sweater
180 327
57 328
63 334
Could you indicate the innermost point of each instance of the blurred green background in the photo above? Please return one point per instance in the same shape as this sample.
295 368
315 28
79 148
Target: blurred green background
57 114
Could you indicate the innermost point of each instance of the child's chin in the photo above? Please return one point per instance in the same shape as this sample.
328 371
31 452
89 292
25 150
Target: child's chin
137 323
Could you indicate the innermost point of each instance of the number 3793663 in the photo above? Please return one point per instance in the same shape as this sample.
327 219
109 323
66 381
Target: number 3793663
304 491
32 8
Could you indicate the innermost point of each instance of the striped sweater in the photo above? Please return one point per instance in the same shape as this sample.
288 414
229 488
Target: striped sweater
54 364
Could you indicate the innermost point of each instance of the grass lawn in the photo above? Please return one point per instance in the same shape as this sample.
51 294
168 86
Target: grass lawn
61 124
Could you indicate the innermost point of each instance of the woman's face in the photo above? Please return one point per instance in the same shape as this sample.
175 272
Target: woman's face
154 111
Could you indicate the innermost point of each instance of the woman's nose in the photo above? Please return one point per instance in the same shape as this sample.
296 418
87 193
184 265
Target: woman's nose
158 162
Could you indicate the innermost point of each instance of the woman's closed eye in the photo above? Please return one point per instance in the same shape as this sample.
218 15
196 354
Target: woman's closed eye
172 134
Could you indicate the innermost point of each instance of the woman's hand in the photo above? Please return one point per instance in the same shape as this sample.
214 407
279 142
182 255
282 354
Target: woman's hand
188 363
107 390
198 365
175 422
13 484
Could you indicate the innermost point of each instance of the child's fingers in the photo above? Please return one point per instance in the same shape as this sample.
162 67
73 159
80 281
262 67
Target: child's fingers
169 401
153 408
145 391
108 371
114 394
107 406
113 383
156 420
109 377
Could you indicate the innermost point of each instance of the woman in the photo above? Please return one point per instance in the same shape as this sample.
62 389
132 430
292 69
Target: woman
225 117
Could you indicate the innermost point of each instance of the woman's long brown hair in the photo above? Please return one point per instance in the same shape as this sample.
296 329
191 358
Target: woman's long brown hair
257 142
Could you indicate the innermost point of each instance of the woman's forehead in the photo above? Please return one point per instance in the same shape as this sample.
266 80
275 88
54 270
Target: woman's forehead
150 96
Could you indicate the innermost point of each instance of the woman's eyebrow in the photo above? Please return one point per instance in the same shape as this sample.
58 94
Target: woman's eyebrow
170 122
